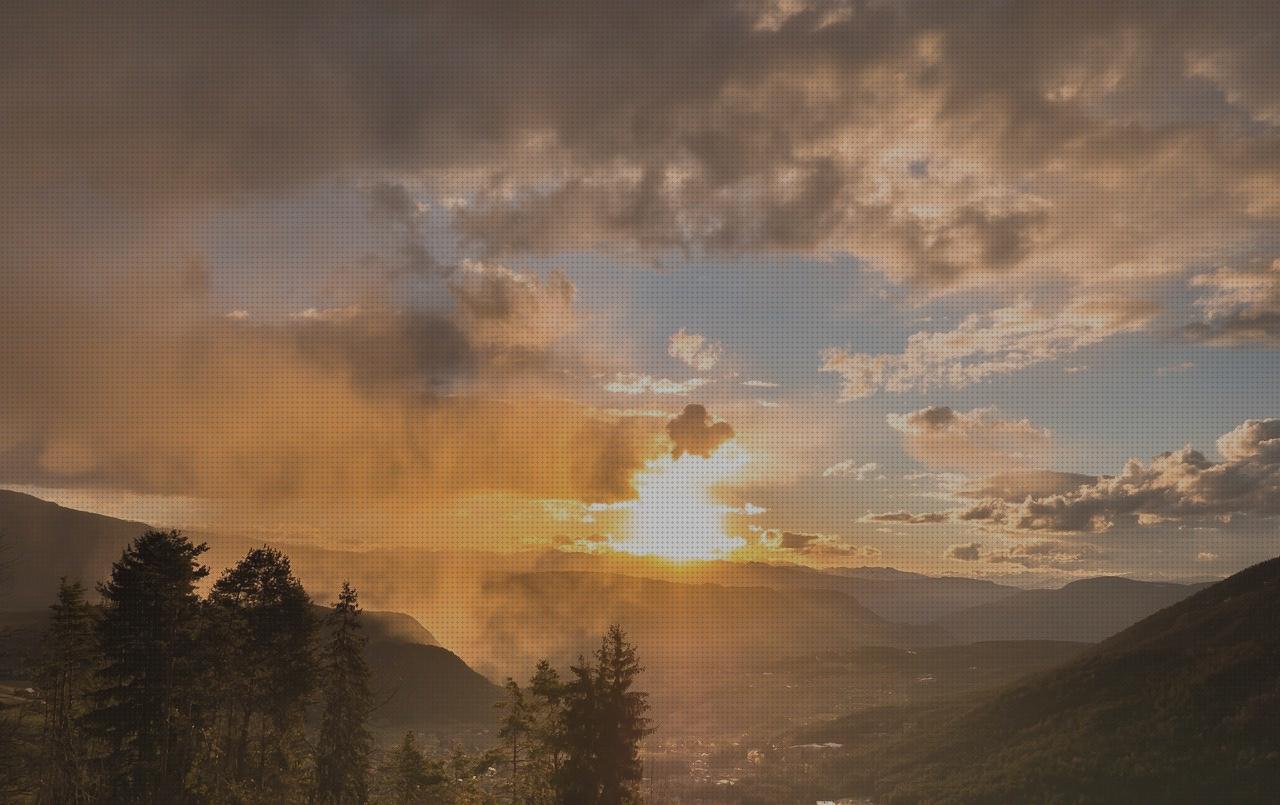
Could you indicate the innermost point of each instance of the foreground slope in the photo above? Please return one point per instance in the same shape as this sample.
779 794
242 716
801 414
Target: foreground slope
1182 707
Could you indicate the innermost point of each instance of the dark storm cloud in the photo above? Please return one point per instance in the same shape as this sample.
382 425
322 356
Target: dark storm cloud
882 129
885 129
693 431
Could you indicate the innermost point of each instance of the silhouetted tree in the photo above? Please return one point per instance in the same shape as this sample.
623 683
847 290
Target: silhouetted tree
13 780
546 749
515 730
344 746
264 628
149 706
604 722
64 679
407 777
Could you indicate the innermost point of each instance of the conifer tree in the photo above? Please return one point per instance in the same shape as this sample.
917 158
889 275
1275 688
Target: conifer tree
577 781
64 678
604 722
516 733
547 731
622 722
344 745
407 777
153 681
265 630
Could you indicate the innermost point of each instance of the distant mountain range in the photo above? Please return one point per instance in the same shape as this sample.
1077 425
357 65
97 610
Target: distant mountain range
45 541
1085 611
681 630
1184 706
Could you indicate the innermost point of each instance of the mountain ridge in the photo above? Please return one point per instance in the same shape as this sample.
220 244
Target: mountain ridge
1183 706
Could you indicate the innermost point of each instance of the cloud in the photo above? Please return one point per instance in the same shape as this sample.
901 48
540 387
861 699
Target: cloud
696 433
505 309
1048 554
979 439
1054 554
693 349
392 203
1172 487
879 130
1016 486
984 345
814 546
633 383
850 468
971 552
760 384
1241 307
907 518
140 384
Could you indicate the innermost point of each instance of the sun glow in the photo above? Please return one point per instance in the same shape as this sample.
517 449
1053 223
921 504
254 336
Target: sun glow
676 515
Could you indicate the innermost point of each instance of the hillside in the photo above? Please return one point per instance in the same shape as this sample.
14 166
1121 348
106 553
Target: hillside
676 626
1182 707
1086 611
44 541
423 687
893 595
417 684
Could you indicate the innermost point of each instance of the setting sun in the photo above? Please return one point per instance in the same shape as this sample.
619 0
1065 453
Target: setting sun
676 515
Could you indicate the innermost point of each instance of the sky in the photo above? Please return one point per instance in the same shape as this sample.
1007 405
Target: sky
987 289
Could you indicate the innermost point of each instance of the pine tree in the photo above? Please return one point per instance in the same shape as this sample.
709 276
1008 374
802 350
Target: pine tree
65 678
153 681
265 629
577 780
407 777
622 722
515 731
546 749
344 746
604 722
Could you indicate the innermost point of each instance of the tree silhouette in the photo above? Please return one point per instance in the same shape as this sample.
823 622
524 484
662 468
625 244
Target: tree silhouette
64 679
344 746
604 722
150 705
407 777
265 629
546 750
515 730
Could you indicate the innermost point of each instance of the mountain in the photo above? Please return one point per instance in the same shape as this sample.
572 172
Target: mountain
417 684
390 627
893 595
44 541
1085 611
676 626
1184 706
916 598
